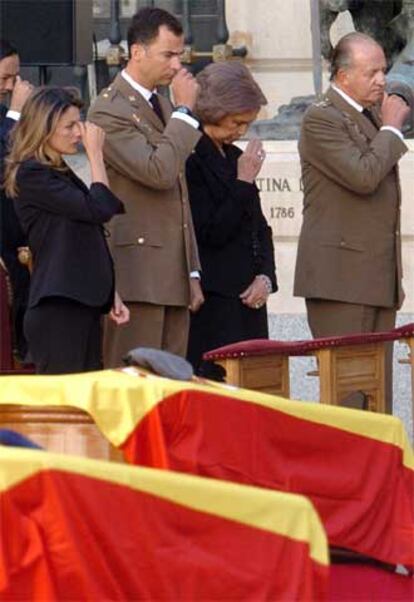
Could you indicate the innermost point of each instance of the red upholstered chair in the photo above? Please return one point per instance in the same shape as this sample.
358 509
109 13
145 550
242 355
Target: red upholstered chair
8 363
346 364
6 345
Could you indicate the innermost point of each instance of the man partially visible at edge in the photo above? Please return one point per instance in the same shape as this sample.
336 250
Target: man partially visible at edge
13 94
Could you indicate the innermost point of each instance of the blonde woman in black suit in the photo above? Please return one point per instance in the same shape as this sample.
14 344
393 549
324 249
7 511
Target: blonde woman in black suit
72 282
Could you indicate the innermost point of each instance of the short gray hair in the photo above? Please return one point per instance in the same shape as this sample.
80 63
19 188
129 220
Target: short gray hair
341 57
226 88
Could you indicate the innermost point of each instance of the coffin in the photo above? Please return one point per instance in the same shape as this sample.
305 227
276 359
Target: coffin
59 429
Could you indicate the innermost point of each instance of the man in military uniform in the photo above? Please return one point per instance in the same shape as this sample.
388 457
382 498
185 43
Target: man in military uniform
147 144
349 256
13 94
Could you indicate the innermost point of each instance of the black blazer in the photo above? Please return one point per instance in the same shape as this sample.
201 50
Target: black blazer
6 124
63 221
11 234
12 237
234 239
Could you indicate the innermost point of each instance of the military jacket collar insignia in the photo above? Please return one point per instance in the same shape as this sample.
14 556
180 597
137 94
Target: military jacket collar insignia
140 108
363 122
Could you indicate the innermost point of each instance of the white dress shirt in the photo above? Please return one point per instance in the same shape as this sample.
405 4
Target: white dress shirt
360 108
13 115
147 95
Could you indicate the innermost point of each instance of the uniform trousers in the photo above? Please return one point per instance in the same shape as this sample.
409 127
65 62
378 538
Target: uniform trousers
158 326
64 336
335 318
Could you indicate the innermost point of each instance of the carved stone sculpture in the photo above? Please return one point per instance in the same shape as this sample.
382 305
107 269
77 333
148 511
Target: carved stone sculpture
391 23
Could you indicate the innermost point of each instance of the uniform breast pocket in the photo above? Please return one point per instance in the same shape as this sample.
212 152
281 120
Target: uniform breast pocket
358 136
344 244
151 135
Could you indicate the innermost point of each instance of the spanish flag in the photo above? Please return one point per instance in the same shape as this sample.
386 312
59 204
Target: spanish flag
357 467
79 529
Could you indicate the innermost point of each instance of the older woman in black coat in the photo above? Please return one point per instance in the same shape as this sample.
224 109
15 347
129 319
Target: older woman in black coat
234 239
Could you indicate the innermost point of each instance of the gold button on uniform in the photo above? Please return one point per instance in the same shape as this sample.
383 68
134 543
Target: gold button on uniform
141 240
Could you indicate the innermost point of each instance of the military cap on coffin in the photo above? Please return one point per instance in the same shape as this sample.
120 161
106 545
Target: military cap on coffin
160 362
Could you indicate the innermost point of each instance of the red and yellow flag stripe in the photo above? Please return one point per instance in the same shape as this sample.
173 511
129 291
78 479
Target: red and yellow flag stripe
75 528
356 467
118 400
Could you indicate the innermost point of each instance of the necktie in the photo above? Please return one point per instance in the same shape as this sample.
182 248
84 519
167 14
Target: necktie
369 116
155 103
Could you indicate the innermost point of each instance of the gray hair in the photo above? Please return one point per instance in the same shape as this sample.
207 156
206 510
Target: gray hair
342 54
226 88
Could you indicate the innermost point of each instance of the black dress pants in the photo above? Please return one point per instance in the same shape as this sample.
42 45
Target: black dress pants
222 321
64 336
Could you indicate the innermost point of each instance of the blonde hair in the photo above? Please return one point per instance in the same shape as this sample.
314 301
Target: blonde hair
30 136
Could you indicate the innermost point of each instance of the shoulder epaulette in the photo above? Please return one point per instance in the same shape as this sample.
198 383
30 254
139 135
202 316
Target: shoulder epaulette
323 103
107 92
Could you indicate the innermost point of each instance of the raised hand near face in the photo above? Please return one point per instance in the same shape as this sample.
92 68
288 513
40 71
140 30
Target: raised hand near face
184 88
21 92
250 162
93 137
394 111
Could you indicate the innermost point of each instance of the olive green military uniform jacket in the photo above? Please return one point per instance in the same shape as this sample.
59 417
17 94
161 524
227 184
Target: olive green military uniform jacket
349 246
153 244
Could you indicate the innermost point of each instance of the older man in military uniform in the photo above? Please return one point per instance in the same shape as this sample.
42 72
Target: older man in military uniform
349 256
147 144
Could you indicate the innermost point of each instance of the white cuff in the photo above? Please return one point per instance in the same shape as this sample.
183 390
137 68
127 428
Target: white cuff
13 115
190 120
392 129
195 274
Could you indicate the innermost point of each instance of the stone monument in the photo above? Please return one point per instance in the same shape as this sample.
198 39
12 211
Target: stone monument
391 22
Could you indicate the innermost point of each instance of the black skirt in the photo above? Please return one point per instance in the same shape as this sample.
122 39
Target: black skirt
222 321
